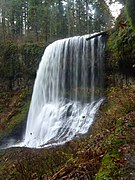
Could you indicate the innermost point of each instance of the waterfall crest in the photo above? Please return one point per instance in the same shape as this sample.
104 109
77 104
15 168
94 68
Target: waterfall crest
67 91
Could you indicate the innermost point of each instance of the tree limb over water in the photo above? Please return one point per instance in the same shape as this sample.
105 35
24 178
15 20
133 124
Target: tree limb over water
104 33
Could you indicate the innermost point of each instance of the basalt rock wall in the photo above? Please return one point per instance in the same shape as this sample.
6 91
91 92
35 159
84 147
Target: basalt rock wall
120 57
18 65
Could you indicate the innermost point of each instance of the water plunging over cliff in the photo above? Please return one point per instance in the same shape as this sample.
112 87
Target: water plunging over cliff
67 91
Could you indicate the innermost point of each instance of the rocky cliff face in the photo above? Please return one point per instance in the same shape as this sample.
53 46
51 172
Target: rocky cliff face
120 57
19 64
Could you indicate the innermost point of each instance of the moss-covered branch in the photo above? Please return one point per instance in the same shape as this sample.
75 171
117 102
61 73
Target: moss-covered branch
104 33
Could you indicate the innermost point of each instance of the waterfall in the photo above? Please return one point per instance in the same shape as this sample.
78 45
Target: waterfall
67 91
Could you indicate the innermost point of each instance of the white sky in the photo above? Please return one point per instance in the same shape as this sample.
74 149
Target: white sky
115 9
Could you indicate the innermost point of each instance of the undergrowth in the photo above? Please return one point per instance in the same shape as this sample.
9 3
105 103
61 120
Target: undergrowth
100 155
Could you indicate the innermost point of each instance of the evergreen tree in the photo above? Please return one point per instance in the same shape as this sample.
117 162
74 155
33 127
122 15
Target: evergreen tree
40 20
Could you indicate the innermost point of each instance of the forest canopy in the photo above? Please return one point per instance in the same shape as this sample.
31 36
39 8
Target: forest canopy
47 20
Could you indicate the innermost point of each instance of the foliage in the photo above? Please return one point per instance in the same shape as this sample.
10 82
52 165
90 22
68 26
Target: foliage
9 61
31 55
119 141
108 169
19 64
120 47
17 105
130 6
102 154
45 21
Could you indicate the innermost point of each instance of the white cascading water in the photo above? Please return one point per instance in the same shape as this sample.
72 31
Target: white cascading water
67 92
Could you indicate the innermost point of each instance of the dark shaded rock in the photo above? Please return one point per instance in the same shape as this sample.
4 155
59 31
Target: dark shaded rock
15 136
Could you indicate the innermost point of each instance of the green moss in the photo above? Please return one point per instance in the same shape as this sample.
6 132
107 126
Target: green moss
20 116
108 169
117 122
120 48
130 7
15 120
131 125
19 61
99 155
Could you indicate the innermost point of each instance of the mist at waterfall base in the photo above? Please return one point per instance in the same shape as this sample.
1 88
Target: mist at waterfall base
67 92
